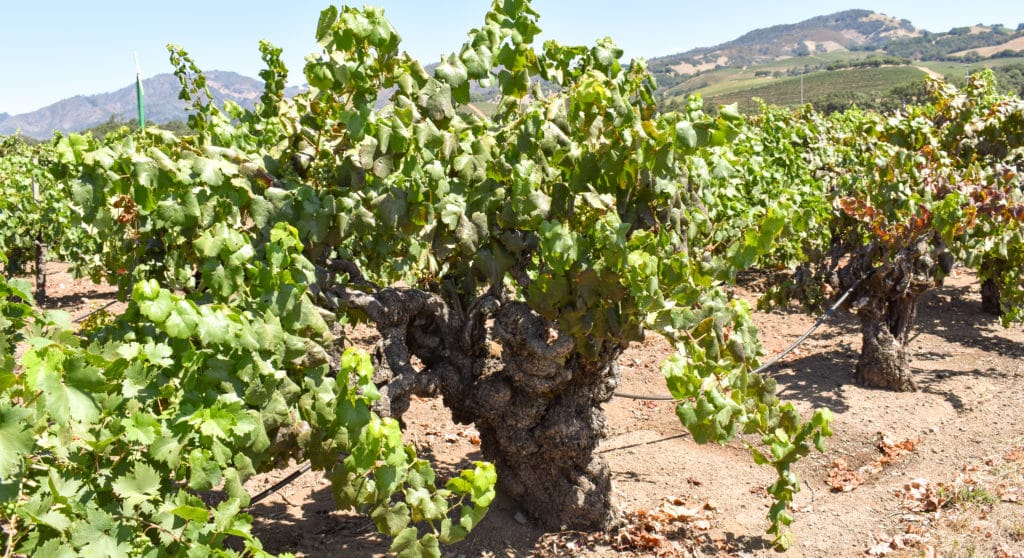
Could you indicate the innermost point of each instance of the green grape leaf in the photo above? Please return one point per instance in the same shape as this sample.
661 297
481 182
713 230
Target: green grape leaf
407 545
391 520
192 513
16 440
141 485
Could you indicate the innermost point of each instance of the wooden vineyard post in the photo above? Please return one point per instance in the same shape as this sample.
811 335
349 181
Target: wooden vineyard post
40 252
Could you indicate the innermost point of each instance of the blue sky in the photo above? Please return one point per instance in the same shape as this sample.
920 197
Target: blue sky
53 50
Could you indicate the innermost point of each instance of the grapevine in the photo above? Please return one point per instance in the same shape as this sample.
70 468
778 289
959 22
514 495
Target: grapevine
24 219
937 184
515 256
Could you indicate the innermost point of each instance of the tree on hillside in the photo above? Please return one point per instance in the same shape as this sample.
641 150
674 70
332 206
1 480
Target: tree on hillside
116 124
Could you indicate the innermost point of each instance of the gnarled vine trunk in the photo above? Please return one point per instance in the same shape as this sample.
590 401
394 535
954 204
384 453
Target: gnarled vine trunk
546 422
990 298
991 301
886 304
884 355
534 398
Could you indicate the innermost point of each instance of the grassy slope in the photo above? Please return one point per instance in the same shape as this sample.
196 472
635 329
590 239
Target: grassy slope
733 79
742 85
818 85
774 81
960 69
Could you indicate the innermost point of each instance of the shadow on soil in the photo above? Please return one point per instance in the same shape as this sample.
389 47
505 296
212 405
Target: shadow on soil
732 544
954 314
317 530
944 384
950 313
77 299
818 377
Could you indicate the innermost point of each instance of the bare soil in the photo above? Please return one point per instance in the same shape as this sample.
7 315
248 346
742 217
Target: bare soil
934 473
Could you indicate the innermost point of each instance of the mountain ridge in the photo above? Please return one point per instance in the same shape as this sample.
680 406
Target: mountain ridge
162 105
844 30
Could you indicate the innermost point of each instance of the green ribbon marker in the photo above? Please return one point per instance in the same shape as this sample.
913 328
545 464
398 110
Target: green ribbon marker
138 91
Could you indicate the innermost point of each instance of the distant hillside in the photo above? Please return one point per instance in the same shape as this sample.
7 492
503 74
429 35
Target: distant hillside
851 57
839 31
984 41
872 84
1014 46
162 105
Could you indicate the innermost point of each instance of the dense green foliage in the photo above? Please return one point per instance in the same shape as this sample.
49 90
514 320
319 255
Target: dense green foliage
222 365
109 438
1010 79
24 219
245 247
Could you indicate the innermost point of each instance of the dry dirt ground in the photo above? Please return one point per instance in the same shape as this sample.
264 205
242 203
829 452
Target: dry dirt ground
934 473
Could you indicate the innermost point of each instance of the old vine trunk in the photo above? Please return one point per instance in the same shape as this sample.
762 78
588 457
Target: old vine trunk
990 298
532 395
886 304
884 356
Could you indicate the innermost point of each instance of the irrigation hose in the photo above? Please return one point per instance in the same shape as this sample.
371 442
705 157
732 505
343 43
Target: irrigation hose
279 485
101 308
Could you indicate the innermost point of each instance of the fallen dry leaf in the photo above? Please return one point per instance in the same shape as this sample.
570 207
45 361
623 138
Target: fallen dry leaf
651 530
893 450
921 495
566 543
901 541
841 478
